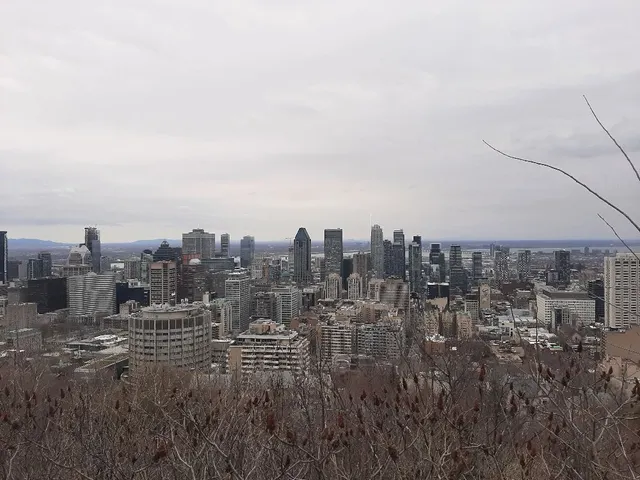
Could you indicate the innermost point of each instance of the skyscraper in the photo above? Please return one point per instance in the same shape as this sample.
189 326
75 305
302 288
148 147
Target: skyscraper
622 290
361 267
355 290
34 268
92 242
437 263
415 265
388 254
501 266
47 263
167 253
595 288
333 286
563 266
163 277
247 251
4 257
476 266
524 265
225 241
237 290
399 255
200 243
377 251
302 257
291 302
333 253
457 276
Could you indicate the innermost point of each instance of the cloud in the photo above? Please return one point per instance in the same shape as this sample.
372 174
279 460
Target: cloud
150 118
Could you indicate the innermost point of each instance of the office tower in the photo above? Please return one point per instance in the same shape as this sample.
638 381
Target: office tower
49 294
434 253
501 266
437 263
457 275
132 291
4 257
47 263
267 346
333 252
622 290
377 251
91 294
524 265
398 237
595 288
146 259
333 286
399 255
132 268
563 266
199 243
355 288
225 242
302 257
438 290
92 242
361 267
185 331
35 268
476 266
79 256
163 278
237 290
388 253
193 283
492 250
247 250
415 265
291 302
347 269
267 305
166 253
14 268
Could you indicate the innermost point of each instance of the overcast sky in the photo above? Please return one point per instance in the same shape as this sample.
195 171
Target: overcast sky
149 118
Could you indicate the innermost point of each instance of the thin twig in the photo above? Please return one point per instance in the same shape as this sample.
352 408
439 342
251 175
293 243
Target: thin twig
619 238
582 184
612 138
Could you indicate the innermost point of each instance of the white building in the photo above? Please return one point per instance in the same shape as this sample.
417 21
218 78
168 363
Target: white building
355 287
237 290
198 242
335 339
579 304
178 336
333 286
267 346
163 279
91 294
622 290
291 302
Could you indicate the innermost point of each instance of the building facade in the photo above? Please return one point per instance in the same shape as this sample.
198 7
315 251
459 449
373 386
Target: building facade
377 251
582 308
163 279
524 265
200 243
622 290
415 265
302 257
237 290
333 251
355 287
91 294
247 250
225 244
291 298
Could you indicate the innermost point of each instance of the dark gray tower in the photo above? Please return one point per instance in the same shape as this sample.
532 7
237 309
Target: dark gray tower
457 276
333 251
4 253
47 263
92 242
225 240
563 266
302 257
415 265
247 250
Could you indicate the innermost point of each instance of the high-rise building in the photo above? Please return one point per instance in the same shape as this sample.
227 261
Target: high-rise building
146 259
333 251
302 257
415 265
437 264
355 289
622 290
178 336
267 305
193 283
347 269
165 252
524 265
91 294
377 251
398 256
92 242
333 286
388 253
4 257
361 267
225 242
595 288
476 266
457 275
200 243
132 269
47 263
563 266
501 266
49 294
163 277
247 250
237 290
291 302
35 268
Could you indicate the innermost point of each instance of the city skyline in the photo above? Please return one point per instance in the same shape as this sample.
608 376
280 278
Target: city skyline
326 115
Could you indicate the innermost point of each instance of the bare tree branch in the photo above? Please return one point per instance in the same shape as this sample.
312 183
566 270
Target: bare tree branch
619 238
565 173
612 138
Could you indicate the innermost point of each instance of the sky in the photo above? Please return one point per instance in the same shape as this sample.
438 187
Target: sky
150 118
